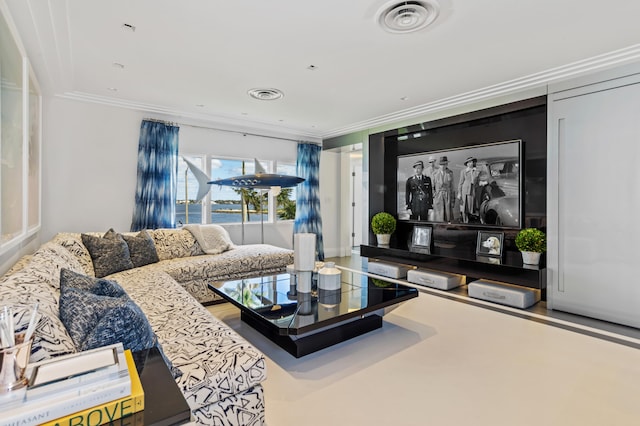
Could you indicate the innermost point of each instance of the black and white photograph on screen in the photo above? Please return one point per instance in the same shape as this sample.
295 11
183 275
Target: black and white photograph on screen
489 243
475 185
420 240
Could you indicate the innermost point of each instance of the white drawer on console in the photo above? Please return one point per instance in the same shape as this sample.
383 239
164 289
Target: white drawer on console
503 293
391 270
435 279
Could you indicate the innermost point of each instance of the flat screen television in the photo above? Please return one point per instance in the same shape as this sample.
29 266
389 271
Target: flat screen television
478 185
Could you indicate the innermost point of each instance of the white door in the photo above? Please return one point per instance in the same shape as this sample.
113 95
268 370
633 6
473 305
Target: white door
356 199
594 201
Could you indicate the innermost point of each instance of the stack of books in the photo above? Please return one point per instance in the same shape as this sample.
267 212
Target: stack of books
88 388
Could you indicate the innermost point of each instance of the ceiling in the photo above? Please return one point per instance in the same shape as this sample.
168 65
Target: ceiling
198 58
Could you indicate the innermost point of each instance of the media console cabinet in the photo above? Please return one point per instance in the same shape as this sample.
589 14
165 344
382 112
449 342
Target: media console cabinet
509 268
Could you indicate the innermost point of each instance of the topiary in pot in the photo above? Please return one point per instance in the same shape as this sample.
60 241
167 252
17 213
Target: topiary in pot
531 242
383 225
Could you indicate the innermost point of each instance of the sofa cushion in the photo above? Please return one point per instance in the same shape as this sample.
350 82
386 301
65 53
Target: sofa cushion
73 243
21 291
98 312
46 263
215 361
50 338
248 259
110 254
213 239
175 243
25 287
142 249
19 265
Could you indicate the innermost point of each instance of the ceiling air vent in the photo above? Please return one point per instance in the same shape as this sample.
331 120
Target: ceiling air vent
407 16
265 94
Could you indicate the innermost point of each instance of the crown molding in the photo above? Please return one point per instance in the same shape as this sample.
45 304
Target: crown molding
537 80
215 121
511 87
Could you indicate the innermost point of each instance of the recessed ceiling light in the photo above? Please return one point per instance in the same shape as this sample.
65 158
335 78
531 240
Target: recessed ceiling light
404 98
265 94
129 27
407 16
112 89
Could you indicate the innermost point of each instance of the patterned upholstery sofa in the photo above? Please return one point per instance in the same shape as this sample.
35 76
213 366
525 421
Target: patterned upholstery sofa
220 373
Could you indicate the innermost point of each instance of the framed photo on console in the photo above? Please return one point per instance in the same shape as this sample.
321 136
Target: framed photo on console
420 239
489 243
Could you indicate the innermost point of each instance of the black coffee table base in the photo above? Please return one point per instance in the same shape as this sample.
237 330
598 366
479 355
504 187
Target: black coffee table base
305 344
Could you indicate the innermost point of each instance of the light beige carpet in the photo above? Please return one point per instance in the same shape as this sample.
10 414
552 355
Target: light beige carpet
441 362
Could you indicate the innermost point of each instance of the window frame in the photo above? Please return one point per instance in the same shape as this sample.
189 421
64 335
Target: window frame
269 165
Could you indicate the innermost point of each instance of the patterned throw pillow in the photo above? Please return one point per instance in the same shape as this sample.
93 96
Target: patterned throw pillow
98 313
110 254
142 249
174 243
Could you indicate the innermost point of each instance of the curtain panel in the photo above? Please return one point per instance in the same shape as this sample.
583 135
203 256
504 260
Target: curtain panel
156 188
308 194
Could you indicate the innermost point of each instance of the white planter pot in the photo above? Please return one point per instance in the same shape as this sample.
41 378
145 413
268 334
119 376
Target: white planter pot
383 239
530 257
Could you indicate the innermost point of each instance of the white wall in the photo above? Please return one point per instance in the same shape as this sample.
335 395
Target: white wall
90 165
330 205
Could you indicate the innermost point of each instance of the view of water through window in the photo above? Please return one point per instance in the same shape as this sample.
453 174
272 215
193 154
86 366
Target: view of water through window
226 204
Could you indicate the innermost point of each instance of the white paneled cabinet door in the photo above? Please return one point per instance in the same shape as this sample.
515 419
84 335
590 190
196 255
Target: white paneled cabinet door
594 201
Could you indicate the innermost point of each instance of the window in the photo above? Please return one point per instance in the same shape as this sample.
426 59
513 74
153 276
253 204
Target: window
286 200
188 209
19 144
223 204
226 201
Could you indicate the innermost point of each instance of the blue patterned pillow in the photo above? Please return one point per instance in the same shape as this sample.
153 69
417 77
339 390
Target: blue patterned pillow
109 254
100 286
98 313
142 249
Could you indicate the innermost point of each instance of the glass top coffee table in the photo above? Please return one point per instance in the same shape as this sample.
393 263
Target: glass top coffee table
303 323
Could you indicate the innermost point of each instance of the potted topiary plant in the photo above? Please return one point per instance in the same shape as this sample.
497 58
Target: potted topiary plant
532 243
383 225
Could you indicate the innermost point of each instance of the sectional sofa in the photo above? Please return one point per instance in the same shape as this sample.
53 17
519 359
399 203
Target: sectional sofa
218 372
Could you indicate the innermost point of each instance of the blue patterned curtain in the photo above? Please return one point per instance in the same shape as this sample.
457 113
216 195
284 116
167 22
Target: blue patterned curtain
156 190
308 199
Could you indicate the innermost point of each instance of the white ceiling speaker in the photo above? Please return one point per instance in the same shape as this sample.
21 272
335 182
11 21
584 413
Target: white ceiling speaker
265 94
407 16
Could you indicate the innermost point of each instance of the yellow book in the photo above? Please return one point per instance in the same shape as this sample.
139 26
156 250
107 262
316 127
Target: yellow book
110 411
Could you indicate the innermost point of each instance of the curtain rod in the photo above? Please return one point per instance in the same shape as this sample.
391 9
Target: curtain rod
231 131
155 120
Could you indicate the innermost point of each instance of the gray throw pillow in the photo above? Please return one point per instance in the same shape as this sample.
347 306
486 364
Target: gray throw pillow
142 249
109 254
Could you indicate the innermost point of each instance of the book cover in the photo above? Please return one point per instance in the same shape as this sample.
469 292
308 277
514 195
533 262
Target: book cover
110 411
41 406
